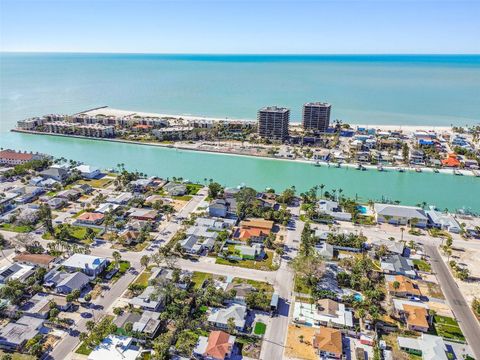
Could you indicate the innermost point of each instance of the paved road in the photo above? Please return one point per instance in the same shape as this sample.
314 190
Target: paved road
275 337
466 319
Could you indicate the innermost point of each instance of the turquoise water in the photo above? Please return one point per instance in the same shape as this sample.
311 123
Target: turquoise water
445 191
435 90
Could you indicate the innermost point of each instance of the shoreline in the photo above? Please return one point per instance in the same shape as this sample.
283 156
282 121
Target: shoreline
224 152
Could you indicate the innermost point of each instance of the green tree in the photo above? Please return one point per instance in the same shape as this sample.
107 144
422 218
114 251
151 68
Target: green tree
214 189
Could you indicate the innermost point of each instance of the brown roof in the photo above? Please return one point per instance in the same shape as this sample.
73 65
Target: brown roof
40 259
218 345
90 216
327 306
257 223
329 340
13 155
416 315
406 285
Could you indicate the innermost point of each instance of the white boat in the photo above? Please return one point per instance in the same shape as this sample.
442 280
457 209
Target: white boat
476 173
457 172
418 170
400 169
317 163
380 168
436 171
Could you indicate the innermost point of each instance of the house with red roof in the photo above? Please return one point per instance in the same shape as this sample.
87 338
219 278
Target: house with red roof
218 346
12 157
90 218
451 161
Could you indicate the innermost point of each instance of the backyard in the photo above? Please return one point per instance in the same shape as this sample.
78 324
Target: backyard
448 328
265 264
16 228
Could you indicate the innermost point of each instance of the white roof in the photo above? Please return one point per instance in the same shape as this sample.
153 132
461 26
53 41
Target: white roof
432 347
87 169
308 313
81 261
115 347
400 210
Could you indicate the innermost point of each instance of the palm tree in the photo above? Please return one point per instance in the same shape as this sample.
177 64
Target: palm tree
322 186
402 229
117 257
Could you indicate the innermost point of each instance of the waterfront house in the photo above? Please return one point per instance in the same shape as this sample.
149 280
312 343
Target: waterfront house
87 171
443 221
57 174
332 208
417 157
42 260
429 347
12 157
400 215
116 347
175 189
14 335
219 316
328 343
88 264
451 161
90 218
398 265
402 286
324 312
321 155
218 346
141 185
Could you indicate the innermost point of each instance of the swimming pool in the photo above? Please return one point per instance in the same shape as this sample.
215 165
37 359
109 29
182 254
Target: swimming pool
363 210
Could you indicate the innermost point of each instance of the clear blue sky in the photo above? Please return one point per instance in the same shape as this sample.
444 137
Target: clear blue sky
229 26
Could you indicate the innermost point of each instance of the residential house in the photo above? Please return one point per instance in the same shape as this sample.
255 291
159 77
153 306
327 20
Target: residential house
90 218
84 188
398 265
218 208
148 324
87 171
143 214
443 221
194 244
400 215
106 207
128 236
27 194
219 316
402 286
70 194
141 185
332 208
415 314
37 306
253 252
15 271
42 260
451 161
56 203
14 335
324 312
88 264
175 189
325 250
149 299
218 346
429 347
121 199
328 343
215 224
58 174
321 155
393 247
417 157
241 291
255 230
64 282
116 347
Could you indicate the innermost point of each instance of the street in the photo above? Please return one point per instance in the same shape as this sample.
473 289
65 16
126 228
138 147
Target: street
465 317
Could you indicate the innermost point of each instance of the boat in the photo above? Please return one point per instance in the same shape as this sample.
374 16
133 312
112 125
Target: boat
476 173
418 170
380 168
436 170
338 165
400 169
317 163
457 172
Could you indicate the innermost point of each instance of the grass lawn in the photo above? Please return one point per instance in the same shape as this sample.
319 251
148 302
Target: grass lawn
18 356
260 328
97 183
198 278
142 279
193 189
301 286
448 328
265 264
83 349
17 228
422 265
259 285
77 234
